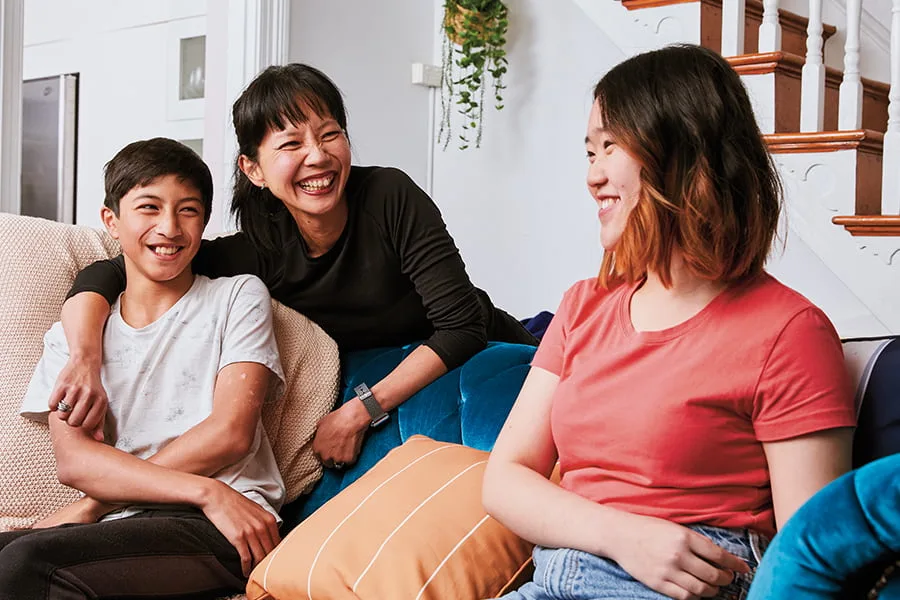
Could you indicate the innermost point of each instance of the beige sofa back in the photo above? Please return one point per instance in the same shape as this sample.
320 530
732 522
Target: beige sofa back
39 262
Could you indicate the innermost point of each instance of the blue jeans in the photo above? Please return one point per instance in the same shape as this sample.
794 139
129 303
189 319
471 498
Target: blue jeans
566 574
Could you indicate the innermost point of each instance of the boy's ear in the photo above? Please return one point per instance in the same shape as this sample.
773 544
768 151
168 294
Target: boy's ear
110 221
251 169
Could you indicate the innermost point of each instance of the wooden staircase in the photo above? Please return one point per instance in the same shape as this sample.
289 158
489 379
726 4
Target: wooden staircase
786 66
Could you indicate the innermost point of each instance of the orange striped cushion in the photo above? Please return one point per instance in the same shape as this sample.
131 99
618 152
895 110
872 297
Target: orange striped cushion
413 527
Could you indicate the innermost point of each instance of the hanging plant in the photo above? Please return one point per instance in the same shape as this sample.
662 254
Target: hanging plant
473 61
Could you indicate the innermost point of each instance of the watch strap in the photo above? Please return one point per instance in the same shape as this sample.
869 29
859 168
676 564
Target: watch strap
376 412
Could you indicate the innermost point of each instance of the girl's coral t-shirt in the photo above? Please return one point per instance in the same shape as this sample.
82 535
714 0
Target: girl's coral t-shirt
671 423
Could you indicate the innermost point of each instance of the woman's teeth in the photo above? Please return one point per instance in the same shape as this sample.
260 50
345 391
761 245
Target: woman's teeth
315 185
607 202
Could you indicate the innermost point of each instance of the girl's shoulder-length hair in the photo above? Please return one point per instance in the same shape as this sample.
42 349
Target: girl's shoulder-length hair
710 190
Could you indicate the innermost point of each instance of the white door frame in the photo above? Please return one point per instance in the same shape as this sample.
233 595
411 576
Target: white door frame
253 34
243 38
12 17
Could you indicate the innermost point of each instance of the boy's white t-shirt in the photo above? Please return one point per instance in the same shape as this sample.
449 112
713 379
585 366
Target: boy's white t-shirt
160 379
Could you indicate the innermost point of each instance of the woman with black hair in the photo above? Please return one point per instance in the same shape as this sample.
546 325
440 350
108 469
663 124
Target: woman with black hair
362 251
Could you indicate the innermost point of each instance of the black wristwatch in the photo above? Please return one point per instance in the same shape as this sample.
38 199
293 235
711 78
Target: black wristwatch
368 399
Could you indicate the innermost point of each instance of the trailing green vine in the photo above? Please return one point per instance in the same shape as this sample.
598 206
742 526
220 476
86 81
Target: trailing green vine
473 60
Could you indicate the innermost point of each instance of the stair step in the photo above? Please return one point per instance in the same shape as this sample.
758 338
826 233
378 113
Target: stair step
793 26
866 140
788 68
881 225
869 146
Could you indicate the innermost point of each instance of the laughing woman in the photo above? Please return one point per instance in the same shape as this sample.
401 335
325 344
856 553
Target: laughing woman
362 251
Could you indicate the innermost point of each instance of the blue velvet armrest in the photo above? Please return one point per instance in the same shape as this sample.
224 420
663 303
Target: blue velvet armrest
467 405
836 544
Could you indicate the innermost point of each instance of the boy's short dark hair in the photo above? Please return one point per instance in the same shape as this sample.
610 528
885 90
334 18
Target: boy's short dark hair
139 163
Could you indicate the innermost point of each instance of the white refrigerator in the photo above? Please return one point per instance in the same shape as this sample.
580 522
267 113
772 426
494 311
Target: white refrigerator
49 133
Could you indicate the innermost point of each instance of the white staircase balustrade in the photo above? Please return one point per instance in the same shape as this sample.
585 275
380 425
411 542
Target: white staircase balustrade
890 182
770 29
733 27
851 91
812 86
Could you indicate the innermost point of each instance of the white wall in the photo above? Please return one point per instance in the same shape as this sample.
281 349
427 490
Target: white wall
120 49
518 207
368 48
798 266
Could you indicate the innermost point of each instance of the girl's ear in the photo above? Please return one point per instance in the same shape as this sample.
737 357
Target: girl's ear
251 169
110 221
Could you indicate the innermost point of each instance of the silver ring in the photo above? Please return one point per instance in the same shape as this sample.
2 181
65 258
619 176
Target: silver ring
338 465
63 406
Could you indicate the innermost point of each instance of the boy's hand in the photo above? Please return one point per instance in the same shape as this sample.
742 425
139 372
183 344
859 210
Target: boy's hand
674 560
79 398
85 510
251 529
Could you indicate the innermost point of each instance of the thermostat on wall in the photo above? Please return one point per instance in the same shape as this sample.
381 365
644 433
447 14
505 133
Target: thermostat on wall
426 75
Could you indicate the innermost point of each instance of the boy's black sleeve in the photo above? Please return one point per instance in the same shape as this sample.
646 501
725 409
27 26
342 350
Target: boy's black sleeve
105 277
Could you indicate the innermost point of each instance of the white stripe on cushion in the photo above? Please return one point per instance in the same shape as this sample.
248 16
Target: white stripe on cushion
354 511
449 554
359 506
410 515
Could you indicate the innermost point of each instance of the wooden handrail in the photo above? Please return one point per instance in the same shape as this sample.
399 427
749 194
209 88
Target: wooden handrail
878 225
865 140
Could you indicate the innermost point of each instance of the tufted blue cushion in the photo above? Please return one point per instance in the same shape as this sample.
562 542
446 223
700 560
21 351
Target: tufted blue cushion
837 543
467 406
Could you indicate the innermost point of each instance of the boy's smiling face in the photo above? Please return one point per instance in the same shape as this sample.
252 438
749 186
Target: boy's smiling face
159 227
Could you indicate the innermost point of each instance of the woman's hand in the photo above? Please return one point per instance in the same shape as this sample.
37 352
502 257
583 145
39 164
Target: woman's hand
79 398
85 510
340 434
674 560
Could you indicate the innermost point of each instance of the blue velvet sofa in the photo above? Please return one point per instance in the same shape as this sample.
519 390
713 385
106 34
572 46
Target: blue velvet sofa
844 543
467 405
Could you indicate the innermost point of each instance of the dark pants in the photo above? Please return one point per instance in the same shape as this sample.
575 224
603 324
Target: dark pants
155 554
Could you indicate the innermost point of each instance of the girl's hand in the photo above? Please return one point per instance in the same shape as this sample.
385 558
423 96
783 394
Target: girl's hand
674 560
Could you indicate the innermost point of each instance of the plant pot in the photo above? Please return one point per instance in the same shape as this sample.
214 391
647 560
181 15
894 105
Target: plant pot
455 21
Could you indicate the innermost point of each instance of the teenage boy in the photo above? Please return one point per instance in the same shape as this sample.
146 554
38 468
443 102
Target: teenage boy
181 496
